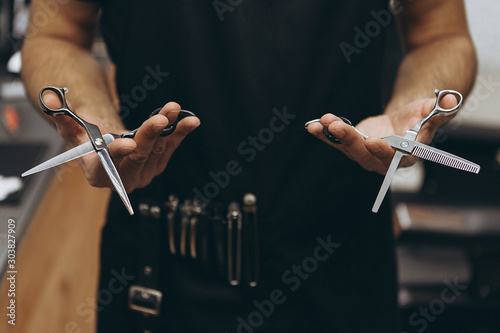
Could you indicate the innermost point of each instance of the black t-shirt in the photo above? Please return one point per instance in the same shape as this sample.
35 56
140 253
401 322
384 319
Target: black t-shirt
254 71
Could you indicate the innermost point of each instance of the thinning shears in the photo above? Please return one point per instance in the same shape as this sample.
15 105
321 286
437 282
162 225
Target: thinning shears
98 143
406 145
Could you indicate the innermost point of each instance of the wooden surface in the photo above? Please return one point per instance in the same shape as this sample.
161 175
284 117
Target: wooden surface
57 261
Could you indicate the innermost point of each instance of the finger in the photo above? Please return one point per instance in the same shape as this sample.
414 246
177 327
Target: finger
184 127
353 145
372 154
328 118
94 171
449 101
352 142
316 128
381 150
171 111
338 128
145 137
51 100
385 153
428 131
121 148
69 129
132 166
156 157
169 108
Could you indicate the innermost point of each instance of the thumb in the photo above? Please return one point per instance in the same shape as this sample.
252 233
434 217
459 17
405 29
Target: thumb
69 129
448 101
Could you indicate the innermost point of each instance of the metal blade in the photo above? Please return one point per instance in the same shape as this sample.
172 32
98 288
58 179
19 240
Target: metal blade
430 153
113 175
387 180
444 158
68 155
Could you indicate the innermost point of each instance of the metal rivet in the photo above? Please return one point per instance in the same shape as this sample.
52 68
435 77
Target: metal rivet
249 199
98 141
144 209
404 144
155 211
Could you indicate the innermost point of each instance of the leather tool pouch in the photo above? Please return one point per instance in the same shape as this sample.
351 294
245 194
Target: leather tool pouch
222 239
144 296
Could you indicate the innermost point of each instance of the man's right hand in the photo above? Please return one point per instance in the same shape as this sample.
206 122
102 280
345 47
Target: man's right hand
137 160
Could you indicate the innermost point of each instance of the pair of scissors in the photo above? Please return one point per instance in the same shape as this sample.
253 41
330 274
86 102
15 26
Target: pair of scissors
98 143
406 145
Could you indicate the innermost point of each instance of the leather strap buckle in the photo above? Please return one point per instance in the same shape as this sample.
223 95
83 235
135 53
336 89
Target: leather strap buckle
145 300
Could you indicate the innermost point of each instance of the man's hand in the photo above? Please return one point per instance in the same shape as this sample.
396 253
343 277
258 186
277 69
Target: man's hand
374 154
137 160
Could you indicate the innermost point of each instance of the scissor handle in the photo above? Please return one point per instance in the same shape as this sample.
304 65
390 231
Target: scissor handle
169 129
330 137
333 139
437 110
63 110
440 111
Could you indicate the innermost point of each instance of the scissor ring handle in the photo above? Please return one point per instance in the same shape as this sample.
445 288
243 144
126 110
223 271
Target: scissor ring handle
330 137
166 131
440 111
63 110
170 129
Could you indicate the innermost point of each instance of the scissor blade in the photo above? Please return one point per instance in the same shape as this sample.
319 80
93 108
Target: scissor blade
439 156
430 153
113 175
68 155
387 180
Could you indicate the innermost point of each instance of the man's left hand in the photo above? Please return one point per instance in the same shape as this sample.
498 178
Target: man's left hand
373 153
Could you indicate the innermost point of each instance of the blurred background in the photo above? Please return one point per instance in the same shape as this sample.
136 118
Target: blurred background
447 222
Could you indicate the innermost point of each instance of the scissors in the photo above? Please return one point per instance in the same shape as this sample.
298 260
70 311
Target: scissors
406 145
97 143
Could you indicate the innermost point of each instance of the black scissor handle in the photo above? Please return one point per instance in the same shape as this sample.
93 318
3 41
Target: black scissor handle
330 136
60 92
169 129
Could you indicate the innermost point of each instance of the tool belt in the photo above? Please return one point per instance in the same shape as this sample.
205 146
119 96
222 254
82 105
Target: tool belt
221 238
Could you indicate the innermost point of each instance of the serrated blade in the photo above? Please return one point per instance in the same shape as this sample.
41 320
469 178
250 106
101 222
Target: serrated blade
409 146
438 156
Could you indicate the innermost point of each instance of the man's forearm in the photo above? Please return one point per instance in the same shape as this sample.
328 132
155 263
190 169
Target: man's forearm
57 62
448 63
